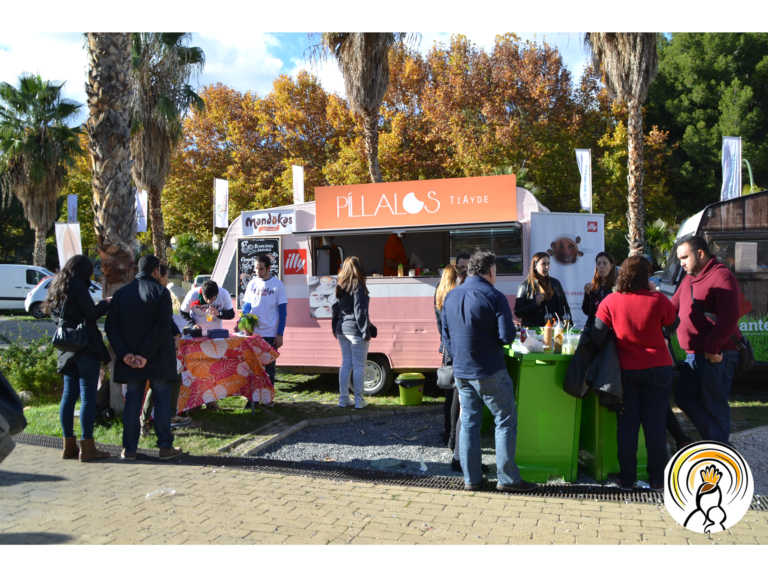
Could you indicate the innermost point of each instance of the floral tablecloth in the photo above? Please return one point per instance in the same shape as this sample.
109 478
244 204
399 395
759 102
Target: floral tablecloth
212 369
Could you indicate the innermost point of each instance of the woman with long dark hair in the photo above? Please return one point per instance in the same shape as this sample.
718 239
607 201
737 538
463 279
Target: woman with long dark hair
352 328
540 294
601 285
70 304
637 313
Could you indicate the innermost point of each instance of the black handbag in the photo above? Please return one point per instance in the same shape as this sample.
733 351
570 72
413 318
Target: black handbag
69 339
744 346
374 331
445 379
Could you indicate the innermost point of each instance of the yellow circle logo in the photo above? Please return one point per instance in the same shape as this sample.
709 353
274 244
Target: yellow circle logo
708 487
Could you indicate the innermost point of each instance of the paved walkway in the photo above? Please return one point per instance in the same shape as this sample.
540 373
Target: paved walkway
44 499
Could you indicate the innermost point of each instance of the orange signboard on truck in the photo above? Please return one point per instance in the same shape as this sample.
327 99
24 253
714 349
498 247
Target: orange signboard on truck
485 199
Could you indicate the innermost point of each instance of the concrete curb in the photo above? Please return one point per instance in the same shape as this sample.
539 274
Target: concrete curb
337 420
744 434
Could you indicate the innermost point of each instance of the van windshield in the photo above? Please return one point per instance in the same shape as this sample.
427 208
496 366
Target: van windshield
672 269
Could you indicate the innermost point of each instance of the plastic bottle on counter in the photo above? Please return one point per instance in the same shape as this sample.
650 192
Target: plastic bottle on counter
548 333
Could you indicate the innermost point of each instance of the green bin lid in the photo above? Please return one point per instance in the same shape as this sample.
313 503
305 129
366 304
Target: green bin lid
410 379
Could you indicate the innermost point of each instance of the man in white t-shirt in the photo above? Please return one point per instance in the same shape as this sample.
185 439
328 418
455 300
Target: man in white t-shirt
208 300
265 297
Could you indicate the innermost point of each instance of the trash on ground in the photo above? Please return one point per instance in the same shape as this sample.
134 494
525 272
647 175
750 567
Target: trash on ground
423 466
419 429
362 432
330 460
160 493
411 438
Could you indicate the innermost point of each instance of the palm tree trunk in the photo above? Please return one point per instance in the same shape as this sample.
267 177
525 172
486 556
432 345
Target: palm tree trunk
636 208
39 255
371 132
156 219
109 97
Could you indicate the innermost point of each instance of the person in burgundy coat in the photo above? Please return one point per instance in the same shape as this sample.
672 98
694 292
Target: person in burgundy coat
705 381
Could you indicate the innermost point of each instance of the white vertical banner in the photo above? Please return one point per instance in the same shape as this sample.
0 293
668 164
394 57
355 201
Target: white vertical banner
584 158
221 204
68 241
71 208
572 241
298 184
731 168
141 211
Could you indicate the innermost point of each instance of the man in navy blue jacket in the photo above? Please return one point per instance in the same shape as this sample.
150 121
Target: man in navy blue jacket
477 323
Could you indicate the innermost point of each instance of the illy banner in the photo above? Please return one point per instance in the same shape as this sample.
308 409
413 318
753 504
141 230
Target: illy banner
298 184
71 208
584 158
141 211
731 168
221 205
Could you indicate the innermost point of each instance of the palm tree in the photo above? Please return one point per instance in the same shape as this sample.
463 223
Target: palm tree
162 64
521 177
36 149
629 62
364 62
109 131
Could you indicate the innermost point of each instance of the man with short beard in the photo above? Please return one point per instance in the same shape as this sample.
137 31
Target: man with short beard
705 382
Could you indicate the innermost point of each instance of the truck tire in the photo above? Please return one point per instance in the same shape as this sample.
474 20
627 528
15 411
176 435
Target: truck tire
37 310
378 375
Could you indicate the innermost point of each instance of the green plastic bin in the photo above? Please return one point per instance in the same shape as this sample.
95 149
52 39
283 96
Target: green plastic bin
411 388
598 450
548 419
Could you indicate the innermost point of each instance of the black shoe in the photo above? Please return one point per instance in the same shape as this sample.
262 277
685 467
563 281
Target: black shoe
456 466
656 488
478 486
452 443
521 486
626 488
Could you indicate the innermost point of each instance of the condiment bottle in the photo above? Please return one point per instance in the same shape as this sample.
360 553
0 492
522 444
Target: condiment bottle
566 321
548 336
399 269
558 339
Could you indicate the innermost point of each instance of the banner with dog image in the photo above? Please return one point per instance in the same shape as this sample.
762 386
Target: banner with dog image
572 241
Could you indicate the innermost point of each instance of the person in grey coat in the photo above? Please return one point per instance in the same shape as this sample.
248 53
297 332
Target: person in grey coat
139 328
352 328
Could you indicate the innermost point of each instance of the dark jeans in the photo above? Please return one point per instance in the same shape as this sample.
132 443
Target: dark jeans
81 379
451 410
270 368
703 391
645 401
149 403
161 391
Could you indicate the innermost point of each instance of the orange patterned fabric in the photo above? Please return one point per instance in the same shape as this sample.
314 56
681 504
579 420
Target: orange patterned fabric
212 369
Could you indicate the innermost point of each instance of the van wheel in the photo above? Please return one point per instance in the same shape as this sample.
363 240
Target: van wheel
37 310
378 375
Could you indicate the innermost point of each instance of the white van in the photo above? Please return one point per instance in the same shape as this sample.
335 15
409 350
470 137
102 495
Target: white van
16 280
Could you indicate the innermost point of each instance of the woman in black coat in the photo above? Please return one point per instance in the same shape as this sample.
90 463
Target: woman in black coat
540 294
70 304
602 284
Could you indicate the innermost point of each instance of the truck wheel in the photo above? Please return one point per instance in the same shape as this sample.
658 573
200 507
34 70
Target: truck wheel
378 375
37 310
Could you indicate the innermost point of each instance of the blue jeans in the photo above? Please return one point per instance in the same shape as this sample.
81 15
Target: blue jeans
81 378
134 398
354 351
646 395
703 391
496 393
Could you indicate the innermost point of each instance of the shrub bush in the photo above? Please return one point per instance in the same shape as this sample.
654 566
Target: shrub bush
31 365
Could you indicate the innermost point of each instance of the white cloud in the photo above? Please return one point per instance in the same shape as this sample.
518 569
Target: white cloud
59 57
327 73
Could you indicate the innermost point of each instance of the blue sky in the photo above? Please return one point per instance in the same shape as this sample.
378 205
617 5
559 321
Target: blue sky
242 61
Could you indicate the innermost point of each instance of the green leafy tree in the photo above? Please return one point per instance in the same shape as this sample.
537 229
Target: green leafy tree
162 65
629 62
37 149
710 86
192 257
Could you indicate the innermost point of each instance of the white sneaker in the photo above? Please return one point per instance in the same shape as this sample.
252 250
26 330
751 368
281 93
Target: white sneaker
361 404
346 402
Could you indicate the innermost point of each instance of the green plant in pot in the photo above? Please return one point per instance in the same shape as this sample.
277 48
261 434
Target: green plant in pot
248 323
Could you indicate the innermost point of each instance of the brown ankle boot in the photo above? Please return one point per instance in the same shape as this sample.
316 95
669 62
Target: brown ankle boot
70 448
88 451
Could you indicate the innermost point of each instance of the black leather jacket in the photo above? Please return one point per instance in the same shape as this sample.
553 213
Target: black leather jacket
532 314
350 314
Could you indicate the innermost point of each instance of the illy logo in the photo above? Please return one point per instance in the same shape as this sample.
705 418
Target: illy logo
591 226
295 261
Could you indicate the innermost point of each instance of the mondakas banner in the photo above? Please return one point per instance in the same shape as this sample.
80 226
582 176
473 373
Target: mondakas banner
584 158
141 211
731 168
221 204
572 241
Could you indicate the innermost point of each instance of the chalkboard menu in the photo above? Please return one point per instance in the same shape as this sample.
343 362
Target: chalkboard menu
248 251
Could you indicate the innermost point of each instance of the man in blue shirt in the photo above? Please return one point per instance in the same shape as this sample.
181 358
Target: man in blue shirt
477 323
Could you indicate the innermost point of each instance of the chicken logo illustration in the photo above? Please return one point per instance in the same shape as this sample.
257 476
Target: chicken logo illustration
708 487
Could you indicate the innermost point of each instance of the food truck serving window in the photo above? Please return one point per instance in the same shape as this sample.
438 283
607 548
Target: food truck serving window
742 257
506 243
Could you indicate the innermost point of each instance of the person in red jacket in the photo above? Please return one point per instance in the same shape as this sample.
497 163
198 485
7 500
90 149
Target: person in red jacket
705 381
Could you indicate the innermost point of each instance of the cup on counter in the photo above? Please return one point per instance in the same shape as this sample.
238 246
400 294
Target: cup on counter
327 282
412 272
208 315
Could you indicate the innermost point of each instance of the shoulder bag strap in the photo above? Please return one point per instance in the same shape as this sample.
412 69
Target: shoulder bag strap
712 318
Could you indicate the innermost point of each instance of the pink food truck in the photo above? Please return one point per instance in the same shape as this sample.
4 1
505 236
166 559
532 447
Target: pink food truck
433 220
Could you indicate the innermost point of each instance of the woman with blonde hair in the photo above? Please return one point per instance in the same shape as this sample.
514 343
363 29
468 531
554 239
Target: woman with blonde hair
540 294
352 328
